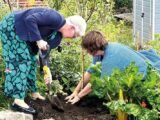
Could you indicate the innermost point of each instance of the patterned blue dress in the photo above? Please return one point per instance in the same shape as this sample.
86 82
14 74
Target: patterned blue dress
19 62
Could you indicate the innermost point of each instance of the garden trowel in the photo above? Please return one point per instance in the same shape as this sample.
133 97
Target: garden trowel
54 100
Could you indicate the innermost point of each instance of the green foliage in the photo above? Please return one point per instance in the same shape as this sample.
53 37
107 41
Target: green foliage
57 87
4 9
133 109
4 102
118 80
157 36
123 5
56 4
2 67
134 89
66 66
117 32
97 11
155 44
41 83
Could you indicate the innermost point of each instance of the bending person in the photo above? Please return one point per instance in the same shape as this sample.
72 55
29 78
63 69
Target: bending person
112 55
23 33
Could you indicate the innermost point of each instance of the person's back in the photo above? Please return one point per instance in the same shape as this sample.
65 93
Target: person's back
21 14
120 56
47 21
112 55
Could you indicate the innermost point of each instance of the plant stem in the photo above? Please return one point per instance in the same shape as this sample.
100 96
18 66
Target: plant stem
109 97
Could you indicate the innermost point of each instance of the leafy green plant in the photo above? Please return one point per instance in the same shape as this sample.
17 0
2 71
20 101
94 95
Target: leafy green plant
4 102
134 90
116 32
133 109
57 87
123 5
4 9
42 88
66 66
154 44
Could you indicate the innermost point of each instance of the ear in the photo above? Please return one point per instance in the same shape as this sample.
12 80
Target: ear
72 27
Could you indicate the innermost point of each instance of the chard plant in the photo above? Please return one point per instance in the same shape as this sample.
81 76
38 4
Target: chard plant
135 89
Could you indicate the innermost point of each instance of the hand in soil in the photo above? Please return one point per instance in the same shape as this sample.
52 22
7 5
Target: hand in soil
73 100
70 97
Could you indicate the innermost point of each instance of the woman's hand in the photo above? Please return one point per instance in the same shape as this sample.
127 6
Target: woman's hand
42 44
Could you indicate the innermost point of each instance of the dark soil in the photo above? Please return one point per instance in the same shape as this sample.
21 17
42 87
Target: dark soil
87 109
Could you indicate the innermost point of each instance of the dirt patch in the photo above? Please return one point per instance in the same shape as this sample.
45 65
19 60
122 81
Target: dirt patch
87 109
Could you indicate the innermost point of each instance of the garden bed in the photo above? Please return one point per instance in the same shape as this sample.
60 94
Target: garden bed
87 109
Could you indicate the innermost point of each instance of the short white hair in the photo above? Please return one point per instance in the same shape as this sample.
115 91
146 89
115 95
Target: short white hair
78 22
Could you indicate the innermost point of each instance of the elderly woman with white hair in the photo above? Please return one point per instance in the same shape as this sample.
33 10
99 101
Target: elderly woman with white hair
23 33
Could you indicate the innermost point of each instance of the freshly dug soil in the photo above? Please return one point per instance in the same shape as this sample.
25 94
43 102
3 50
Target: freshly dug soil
89 108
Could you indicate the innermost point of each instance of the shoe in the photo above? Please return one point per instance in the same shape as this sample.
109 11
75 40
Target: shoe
18 108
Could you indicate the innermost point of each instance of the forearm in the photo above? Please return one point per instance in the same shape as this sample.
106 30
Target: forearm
85 91
84 82
79 92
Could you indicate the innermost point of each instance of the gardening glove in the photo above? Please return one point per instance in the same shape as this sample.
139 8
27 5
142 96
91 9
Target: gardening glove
70 97
47 75
42 44
74 100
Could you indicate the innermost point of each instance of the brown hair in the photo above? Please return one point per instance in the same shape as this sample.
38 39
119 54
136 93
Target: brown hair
93 41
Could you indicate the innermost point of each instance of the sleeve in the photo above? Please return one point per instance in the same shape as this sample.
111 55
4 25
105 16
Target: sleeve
49 18
94 61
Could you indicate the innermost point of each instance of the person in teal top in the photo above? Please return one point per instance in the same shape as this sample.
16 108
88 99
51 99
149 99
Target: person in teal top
111 55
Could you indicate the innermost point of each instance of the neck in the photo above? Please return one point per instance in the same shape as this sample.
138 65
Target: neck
62 29
100 52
